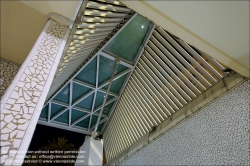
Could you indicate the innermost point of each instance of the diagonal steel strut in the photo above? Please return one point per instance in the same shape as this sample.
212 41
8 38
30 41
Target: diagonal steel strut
106 96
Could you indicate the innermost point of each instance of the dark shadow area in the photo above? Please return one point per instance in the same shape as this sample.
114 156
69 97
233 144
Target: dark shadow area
43 134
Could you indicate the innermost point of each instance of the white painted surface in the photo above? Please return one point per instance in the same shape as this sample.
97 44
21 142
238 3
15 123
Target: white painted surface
218 28
21 115
65 8
92 150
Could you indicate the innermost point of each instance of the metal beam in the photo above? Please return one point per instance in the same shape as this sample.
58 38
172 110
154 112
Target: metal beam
113 57
96 86
129 75
63 127
107 93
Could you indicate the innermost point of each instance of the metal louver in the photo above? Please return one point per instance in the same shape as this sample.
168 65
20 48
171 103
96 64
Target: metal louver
169 74
100 19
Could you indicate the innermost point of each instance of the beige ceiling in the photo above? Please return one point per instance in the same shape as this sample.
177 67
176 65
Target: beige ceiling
20 27
64 8
23 21
218 28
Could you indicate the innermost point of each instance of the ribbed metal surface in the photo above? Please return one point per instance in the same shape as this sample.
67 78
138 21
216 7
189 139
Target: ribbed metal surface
169 74
99 20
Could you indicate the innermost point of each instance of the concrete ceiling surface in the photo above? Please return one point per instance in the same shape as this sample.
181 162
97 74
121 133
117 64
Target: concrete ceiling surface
219 28
65 8
23 21
20 27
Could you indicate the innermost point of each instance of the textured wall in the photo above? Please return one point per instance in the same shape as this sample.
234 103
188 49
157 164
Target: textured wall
8 71
217 135
22 103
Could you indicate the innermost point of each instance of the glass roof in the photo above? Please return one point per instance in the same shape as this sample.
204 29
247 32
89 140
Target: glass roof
78 103
127 43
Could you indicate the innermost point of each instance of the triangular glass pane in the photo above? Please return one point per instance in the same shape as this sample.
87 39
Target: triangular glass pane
106 68
94 120
44 113
56 109
88 74
100 127
107 108
84 123
130 40
100 98
64 118
79 91
117 84
63 95
87 102
120 68
75 114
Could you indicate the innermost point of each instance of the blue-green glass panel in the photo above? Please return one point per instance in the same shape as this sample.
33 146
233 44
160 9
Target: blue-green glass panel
84 123
56 109
63 95
117 84
100 127
94 120
106 69
100 98
120 68
88 74
64 118
79 91
87 102
75 114
128 42
107 109
44 113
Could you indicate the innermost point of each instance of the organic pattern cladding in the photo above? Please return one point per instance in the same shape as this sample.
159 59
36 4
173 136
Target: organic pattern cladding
24 99
217 135
8 70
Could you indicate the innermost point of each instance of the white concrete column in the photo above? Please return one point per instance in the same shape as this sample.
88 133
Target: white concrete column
91 152
22 103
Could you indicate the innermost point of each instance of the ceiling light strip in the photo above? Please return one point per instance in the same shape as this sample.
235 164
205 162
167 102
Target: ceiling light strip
104 6
93 19
115 2
96 25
